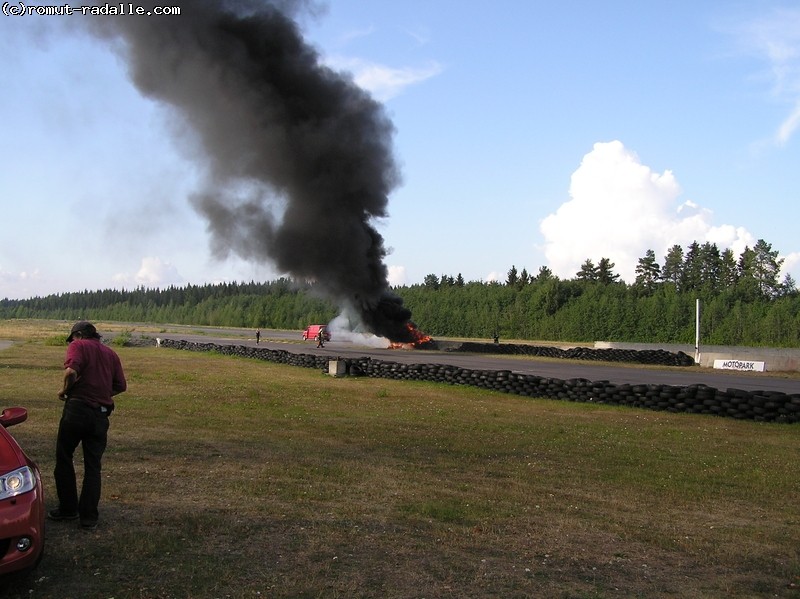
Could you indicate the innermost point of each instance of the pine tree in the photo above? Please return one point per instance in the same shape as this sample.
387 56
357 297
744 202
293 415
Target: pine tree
766 269
431 281
788 286
710 267
513 278
673 265
588 272
691 275
746 283
543 275
605 272
728 273
648 272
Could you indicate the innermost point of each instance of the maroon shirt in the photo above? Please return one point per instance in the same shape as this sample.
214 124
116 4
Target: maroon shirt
99 369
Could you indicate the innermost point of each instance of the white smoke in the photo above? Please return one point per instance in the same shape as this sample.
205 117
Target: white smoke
341 329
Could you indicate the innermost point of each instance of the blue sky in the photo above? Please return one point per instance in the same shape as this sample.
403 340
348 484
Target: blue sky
528 133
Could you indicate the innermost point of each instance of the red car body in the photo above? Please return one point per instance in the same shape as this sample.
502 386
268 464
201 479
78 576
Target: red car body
22 509
312 331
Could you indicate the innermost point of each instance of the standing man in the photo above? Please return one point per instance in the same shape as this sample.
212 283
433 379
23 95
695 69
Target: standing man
92 376
258 336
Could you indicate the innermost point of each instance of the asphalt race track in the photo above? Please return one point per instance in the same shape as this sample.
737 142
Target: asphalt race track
291 341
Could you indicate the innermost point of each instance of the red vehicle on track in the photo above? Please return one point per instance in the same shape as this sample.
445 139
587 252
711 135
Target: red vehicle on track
312 331
22 509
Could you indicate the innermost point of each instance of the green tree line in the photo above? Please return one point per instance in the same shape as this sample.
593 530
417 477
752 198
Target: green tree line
742 299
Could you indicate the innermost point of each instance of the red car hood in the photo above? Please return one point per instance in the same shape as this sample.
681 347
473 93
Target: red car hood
11 456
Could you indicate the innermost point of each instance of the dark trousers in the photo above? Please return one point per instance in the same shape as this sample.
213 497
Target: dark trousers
80 423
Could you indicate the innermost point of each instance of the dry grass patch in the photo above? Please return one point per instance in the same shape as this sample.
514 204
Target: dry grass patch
229 477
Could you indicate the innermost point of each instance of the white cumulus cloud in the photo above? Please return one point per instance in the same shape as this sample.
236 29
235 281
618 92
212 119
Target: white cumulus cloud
14 285
619 208
153 272
397 275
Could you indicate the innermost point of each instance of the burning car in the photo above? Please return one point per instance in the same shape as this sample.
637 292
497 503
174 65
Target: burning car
416 339
22 509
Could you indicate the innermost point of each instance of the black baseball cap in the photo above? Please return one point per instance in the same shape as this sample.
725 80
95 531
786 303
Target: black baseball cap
85 328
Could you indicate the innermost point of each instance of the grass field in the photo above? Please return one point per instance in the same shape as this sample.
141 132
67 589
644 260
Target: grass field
230 477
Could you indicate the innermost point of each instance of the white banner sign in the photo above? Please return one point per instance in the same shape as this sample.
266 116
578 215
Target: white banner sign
740 365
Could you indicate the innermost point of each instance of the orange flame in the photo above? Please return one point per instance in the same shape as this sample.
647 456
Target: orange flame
420 339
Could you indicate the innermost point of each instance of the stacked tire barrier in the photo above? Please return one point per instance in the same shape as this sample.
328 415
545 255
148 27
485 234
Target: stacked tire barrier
761 406
650 356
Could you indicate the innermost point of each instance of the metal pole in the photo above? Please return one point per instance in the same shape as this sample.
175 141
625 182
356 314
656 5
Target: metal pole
697 331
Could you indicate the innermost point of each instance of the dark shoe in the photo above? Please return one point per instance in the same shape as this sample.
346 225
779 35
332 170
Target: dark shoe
59 516
88 524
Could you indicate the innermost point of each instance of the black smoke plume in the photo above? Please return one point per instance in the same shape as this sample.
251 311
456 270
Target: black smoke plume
299 158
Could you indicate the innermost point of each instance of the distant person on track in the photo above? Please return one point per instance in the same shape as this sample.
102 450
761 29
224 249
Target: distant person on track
258 336
93 375
321 338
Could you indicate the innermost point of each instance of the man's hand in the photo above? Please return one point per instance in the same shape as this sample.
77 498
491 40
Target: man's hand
70 377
